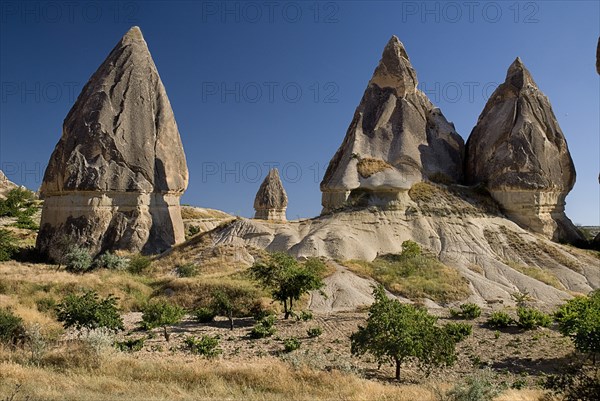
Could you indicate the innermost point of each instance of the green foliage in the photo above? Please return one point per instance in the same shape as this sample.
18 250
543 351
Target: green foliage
291 344
458 331
396 332
314 332
531 318
8 245
11 327
111 261
187 270
265 327
582 384
161 314
207 346
138 263
410 249
130 345
25 222
500 319
305 316
579 319
78 260
287 279
191 231
89 311
467 311
521 298
19 202
476 388
204 315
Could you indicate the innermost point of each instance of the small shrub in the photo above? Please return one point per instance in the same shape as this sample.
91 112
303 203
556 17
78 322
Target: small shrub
204 315
138 263
8 245
12 330
161 314
78 260
477 388
191 231
458 331
187 270
100 339
130 345
410 249
500 319
579 319
314 332
531 318
25 222
305 316
291 344
467 311
89 311
111 261
46 304
264 328
521 298
207 346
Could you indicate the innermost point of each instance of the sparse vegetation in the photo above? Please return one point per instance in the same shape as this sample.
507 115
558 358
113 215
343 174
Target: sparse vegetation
138 264
414 275
537 273
265 327
467 311
500 319
291 344
130 345
314 332
531 318
204 315
207 346
187 270
161 314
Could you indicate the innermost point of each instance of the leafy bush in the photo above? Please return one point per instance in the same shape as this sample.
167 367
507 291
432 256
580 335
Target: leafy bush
396 332
8 245
111 261
25 222
477 388
458 331
161 314
410 249
531 318
305 316
264 328
291 344
11 327
207 346
287 279
130 345
187 270
579 319
314 332
204 315
500 319
191 231
138 263
19 202
467 311
89 311
78 260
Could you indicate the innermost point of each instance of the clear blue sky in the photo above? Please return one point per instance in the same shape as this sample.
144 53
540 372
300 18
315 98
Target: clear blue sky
234 72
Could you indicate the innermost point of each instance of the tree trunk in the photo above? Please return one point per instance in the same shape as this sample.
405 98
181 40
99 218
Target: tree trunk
166 333
285 309
291 304
230 320
398 363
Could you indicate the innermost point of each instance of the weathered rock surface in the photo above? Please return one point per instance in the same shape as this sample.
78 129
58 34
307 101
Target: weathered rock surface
397 138
5 185
200 220
271 200
115 177
519 152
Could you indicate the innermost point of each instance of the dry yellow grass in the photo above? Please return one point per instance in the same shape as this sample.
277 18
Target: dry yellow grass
194 213
368 166
537 273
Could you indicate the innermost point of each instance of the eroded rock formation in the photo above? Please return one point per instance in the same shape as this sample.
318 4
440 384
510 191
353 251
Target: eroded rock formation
519 152
396 138
5 185
115 177
271 200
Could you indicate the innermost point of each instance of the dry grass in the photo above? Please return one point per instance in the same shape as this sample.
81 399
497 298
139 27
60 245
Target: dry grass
414 278
366 167
422 192
537 273
196 213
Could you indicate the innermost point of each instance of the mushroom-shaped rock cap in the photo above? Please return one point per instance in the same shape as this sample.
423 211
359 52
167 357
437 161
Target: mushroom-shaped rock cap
121 134
517 142
271 194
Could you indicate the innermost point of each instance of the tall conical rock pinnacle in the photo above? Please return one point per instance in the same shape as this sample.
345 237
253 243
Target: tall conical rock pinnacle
116 175
396 139
519 152
271 200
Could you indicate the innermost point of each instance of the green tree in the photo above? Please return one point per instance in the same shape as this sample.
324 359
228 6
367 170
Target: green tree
8 245
410 249
19 202
579 319
89 311
162 314
395 332
287 279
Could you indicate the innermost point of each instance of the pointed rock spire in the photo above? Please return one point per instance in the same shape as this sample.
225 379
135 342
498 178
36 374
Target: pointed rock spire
519 152
116 175
397 138
271 200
